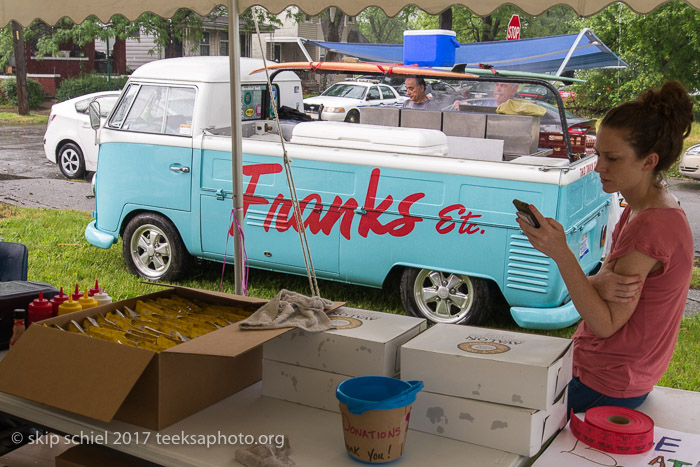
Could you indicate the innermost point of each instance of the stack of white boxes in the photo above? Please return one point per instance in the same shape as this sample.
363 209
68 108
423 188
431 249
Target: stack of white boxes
306 368
500 389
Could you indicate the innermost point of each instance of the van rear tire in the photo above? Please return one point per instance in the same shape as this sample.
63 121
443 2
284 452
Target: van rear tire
443 297
153 249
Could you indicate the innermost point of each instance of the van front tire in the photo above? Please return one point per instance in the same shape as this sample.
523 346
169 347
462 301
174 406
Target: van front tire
442 297
153 249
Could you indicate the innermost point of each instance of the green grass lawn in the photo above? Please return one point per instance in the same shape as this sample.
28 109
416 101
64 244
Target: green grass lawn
10 118
60 255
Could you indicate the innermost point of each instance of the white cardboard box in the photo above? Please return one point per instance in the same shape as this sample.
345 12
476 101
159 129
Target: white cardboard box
513 429
301 385
513 368
364 343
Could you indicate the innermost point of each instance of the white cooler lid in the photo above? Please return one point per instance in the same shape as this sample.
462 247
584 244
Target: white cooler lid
429 32
371 137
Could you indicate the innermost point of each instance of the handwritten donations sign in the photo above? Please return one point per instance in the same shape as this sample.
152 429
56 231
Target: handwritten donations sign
375 436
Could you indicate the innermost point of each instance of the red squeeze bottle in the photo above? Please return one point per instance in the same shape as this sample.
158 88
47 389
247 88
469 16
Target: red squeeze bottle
77 294
40 309
94 290
57 300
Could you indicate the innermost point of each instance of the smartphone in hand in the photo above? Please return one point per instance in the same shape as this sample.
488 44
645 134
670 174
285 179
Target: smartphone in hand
525 214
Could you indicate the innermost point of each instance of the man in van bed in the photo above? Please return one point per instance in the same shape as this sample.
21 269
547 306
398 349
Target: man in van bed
502 92
418 99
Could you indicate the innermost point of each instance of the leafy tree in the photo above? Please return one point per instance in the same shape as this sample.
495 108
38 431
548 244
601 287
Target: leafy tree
378 28
471 28
5 46
660 46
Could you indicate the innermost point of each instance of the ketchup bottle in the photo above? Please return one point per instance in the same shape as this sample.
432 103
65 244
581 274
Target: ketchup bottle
57 300
77 294
40 309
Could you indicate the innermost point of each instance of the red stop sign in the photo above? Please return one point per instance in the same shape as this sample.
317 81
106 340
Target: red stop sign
513 28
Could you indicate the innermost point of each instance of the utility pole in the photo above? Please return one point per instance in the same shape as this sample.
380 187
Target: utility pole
21 69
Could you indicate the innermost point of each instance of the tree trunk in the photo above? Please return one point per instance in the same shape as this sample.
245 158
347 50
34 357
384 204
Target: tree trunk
445 21
21 69
332 25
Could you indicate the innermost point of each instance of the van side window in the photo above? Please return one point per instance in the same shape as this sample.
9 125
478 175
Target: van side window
148 111
180 109
118 117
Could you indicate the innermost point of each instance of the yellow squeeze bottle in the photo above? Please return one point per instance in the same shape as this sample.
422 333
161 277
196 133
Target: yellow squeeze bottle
86 301
69 306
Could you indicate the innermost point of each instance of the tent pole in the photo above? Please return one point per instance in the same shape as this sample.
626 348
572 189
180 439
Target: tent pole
571 51
234 54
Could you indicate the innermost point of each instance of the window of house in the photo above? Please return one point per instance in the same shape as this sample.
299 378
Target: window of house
204 44
278 53
245 45
223 44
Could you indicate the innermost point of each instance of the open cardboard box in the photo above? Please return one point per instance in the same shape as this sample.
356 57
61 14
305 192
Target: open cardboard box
106 380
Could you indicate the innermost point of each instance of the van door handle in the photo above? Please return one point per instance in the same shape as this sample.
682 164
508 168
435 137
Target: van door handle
179 168
360 211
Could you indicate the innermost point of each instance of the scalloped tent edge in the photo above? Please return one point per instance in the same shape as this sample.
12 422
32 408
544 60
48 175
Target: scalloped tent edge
50 11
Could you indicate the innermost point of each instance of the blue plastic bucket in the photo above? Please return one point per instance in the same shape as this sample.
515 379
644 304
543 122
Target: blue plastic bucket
376 412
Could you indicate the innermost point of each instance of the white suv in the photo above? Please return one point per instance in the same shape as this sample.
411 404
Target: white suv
342 101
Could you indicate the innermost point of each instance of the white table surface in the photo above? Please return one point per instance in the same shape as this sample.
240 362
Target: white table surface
315 435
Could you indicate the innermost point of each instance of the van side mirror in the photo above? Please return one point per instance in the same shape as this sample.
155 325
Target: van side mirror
94 110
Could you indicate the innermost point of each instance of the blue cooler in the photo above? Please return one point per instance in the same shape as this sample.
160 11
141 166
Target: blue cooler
432 47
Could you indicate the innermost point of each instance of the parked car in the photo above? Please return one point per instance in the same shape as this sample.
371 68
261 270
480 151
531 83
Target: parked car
69 140
690 162
536 93
567 93
342 101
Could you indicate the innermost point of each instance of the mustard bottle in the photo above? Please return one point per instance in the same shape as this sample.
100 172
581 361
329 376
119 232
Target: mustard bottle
86 301
69 306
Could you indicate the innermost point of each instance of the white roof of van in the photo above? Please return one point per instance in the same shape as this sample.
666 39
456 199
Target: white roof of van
205 70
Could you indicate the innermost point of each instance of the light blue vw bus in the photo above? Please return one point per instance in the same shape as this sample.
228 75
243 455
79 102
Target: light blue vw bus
429 201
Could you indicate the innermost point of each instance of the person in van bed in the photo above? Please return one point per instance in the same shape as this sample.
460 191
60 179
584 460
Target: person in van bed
502 92
632 308
418 99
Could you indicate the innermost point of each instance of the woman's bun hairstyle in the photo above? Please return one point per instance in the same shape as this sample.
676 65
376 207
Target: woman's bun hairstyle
657 121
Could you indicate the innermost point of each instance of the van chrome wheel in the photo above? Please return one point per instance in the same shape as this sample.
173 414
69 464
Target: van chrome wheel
153 249
443 297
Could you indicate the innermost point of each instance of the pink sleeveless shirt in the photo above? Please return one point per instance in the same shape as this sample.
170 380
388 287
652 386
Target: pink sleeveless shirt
630 362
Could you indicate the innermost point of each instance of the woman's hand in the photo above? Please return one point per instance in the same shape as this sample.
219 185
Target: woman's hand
549 237
614 287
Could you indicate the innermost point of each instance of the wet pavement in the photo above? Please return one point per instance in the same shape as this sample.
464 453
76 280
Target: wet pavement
28 178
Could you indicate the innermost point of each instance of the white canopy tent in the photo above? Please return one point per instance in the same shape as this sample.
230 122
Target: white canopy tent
50 11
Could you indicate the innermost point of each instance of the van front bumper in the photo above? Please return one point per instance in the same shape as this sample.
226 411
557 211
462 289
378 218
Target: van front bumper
545 318
99 238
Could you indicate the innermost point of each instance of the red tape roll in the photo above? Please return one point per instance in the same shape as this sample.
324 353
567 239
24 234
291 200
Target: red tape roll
615 429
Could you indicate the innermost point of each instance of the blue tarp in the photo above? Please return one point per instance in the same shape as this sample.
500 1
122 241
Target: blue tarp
539 55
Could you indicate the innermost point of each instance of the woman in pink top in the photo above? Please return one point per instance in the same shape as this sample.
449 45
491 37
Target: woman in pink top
632 308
